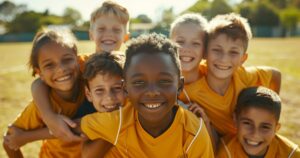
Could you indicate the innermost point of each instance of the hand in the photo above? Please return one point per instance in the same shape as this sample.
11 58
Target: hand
199 111
60 125
13 139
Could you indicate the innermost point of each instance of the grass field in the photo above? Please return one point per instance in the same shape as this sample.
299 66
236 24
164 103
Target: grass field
284 54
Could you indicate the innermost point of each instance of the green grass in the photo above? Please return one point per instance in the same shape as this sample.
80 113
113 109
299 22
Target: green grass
281 53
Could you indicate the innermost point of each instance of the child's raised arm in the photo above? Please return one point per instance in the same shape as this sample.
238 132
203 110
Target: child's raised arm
59 125
276 80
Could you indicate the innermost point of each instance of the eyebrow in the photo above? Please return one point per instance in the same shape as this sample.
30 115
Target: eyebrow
161 73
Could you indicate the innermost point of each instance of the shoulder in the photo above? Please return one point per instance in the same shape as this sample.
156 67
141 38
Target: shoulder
287 147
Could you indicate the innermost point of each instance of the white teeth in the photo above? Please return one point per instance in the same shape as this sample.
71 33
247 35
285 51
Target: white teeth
108 42
252 142
63 78
186 59
223 67
152 106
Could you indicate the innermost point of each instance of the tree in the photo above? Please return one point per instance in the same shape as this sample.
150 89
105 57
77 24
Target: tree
8 10
142 18
289 19
219 7
167 17
72 16
264 14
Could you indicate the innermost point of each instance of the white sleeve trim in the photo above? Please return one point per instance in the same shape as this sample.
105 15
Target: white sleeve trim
120 125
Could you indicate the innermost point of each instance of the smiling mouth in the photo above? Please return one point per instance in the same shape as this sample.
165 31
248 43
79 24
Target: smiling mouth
64 78
186 59
152 105
253 143
110 108
220 67
108 42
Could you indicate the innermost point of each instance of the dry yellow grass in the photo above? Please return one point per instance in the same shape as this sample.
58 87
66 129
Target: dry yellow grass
281 53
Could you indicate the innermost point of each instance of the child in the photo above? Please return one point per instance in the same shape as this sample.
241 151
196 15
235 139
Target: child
103 75
108 30
257 119
54 59
152 125
224 77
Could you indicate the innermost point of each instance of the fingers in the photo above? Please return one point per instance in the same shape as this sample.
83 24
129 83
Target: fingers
68 121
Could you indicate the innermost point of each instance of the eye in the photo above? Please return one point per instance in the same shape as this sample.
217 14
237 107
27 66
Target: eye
234 53
116 30
117 89
165 81
48 65
68 60
196 43
138 83
99 91
180 42
101 29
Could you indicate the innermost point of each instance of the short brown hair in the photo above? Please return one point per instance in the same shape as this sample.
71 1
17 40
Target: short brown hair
103 63
233 25
65 38
111 8
259 97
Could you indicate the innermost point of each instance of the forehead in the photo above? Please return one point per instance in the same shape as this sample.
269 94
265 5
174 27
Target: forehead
153 63
105 79
53 50
225 40
188 29
108 20
258 115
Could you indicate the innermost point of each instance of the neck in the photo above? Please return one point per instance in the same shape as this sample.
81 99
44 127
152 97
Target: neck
155 129
191 76
70 95
219 86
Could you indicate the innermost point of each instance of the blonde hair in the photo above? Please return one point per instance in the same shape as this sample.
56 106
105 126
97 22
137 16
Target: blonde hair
111 8
65 38
189 18
233 25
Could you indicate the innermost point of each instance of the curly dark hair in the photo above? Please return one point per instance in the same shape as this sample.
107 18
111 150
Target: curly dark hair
103 63
259 97
152 43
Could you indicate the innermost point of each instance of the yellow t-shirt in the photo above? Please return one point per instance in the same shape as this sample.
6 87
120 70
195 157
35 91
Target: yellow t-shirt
280 147
220 108
186 136
31 119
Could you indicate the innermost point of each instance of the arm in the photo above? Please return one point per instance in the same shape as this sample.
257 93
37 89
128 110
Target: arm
12 153
18 137
276 80
58 125
95 148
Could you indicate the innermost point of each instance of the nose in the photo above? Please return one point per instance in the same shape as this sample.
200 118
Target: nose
184 48
109 99
152 91
61 68
255 133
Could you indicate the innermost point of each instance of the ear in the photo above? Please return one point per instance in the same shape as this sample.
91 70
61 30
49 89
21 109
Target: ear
126 37
38 72
277 127
88 94
244 58
180 84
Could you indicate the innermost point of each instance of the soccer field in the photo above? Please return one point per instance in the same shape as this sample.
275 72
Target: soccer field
284 54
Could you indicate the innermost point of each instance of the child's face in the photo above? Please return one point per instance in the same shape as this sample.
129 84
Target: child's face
58 67
224 56
108 33
256 129
106 92
191 41
152 83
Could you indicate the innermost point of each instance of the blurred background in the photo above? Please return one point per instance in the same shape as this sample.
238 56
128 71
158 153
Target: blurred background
275 25
20 19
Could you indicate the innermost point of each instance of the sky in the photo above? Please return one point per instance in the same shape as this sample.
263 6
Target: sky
152 8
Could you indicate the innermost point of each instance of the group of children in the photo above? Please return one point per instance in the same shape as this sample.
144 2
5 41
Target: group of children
111 105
